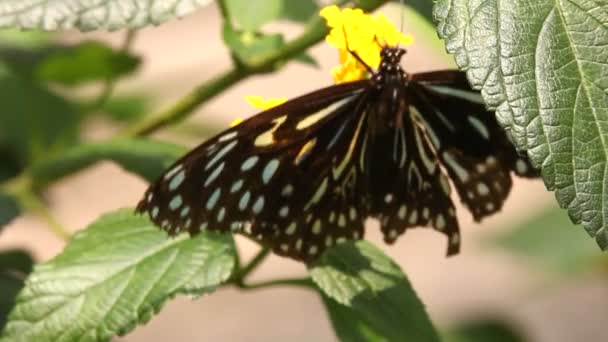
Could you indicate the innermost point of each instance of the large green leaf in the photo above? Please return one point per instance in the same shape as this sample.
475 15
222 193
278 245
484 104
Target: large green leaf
146 158
543 65
359 276
91 15
112 276
348 325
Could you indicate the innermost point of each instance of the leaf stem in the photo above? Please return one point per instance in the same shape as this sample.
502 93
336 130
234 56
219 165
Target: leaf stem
305 282
257 260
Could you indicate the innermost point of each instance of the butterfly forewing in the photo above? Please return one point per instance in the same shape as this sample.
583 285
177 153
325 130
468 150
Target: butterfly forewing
288 177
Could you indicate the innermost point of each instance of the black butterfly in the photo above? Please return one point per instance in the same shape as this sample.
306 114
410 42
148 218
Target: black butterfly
305 175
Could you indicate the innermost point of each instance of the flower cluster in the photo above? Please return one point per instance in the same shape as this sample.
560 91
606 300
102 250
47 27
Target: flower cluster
351 29
365 35
263 104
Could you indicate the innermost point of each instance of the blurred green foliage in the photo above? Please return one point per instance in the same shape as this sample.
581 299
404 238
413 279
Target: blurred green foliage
549 240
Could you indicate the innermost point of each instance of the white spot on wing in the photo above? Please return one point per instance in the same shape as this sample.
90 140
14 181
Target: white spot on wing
227 136
249 163
220 154
461 173
177 180
176 202
521 167
215 196
482 189
258 205
173 171
269 170
216 172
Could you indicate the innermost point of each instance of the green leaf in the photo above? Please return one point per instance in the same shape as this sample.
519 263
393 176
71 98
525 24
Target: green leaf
87 61
146 158
35 129
543 64
247 46
16 261
9 209
423 7
348 325
24 38
114 275
69 64
127 108
251 15
305 58
550 240
485 330
11 164
362 278
299 11
11 285
91 15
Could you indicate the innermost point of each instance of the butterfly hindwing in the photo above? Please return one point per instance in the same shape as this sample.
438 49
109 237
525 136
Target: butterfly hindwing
476 152
288 177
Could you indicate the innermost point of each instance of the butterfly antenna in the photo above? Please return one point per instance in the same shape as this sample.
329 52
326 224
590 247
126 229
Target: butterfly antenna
354 54
378 42
402 2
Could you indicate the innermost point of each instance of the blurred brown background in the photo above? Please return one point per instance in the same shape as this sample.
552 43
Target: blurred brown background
479 282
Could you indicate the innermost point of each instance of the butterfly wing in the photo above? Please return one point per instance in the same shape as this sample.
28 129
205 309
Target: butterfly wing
290 177
408 187
474 149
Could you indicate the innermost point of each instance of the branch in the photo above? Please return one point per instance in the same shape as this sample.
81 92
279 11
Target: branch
298 282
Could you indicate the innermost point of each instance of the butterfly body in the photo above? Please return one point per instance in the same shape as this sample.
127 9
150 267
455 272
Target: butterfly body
306 174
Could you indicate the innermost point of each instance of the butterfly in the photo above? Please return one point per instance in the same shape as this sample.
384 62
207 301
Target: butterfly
305 175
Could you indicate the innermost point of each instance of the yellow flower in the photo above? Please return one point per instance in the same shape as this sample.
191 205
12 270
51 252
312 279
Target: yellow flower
261 103
236 122
365 35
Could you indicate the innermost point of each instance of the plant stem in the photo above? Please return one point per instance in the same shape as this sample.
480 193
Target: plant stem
305 282
33 203
110 83
257 259
187 104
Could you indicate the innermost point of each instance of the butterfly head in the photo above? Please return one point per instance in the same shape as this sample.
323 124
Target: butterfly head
390 70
